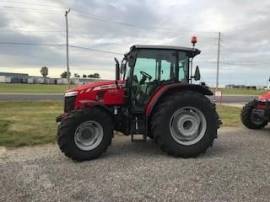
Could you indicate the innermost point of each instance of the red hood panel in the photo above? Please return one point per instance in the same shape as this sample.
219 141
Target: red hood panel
94 84
265 96
91 85
103 92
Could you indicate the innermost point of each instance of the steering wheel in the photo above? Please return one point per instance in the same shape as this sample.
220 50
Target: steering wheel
146 75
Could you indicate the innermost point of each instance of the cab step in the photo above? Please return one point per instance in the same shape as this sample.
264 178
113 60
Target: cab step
142 139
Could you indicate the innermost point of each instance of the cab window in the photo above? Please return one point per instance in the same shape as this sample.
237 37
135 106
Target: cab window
183 65
151 68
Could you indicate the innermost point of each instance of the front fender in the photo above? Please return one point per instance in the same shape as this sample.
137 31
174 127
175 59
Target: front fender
167 89
91 104
86 104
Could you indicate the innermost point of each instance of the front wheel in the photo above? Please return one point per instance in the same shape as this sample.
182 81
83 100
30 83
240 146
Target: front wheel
251 120
185 124
85 135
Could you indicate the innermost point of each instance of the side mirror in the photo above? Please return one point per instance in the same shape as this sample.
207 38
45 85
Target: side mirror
117 69
197 75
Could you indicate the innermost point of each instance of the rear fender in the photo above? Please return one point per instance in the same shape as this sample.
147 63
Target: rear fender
167 89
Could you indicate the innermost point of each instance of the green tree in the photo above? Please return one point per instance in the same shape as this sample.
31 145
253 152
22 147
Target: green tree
64 75
44 71
95 75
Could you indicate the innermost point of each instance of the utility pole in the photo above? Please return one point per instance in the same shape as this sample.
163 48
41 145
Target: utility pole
67 46
218 61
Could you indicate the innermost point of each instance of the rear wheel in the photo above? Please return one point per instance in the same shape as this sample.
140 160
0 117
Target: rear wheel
185 124
250 120
85 135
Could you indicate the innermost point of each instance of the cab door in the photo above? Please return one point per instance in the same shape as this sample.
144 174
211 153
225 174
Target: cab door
152 69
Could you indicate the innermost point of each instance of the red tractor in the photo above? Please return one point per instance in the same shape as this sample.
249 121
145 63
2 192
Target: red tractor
151 96
256 113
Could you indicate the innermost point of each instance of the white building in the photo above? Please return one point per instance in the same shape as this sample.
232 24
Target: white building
5 79
9 77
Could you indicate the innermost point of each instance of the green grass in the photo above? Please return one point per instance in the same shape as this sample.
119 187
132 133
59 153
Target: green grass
31 88
28 123
31 123
229 115
240 91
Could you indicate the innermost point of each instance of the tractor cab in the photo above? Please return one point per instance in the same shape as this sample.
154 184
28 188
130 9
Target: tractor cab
148 67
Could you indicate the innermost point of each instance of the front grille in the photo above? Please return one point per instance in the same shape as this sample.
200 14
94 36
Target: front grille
69 103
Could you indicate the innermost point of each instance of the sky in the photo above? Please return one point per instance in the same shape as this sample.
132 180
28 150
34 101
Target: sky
32 35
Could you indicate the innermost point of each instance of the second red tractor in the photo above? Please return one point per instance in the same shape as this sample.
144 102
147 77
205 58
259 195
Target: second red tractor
256 113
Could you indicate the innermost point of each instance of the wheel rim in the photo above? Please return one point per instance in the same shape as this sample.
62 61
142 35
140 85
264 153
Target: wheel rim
88 135
255 119
188 125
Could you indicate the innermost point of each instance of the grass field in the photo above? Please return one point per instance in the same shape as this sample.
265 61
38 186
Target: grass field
241 91
43 88
230 116
30 123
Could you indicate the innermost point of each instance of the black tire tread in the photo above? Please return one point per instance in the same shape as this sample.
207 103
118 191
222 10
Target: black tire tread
68 126
246 116
161 110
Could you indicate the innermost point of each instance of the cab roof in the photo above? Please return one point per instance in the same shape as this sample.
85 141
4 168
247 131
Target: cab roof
192 51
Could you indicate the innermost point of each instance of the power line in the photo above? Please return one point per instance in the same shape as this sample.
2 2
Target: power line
96 50
29 44
31 8
243 64
235 63
88 15
40 10
22 30
238 63
59 45
19 2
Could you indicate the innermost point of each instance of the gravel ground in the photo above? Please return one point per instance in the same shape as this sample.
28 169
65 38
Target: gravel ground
235 169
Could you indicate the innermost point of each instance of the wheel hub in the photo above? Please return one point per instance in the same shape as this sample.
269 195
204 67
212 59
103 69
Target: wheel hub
188 125
257 116
88 135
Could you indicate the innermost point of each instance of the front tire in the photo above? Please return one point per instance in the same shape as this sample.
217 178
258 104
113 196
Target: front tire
185 124
85 134
248 120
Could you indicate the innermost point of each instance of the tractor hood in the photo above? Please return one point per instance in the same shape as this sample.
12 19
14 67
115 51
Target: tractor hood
91 85
98 85
106 93
265 96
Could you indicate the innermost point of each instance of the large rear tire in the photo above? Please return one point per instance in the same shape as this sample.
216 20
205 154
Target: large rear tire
85 134
185 124
248 120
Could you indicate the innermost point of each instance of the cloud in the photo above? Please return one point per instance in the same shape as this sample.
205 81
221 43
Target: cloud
97 24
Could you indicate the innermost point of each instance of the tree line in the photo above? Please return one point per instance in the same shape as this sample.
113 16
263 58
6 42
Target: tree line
45 71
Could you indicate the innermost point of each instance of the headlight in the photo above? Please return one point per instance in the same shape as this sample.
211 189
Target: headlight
70 94
70 98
